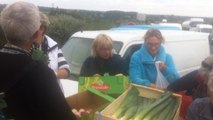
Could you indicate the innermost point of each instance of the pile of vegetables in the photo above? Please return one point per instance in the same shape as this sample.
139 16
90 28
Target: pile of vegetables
135 107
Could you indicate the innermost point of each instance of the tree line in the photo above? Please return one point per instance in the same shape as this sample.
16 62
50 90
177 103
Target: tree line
65 22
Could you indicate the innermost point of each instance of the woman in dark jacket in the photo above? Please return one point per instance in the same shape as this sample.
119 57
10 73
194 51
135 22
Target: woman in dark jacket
102 60
194 83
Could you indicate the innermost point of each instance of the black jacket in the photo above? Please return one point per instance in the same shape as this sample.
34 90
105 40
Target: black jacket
33 94
192 83
97 65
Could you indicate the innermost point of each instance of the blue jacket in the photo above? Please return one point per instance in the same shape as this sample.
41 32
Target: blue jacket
142 67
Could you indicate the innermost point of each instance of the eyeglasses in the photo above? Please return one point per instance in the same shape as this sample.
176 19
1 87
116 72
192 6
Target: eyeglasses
105 49
156 45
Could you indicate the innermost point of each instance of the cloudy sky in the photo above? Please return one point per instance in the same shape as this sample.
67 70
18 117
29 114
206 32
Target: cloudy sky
199 8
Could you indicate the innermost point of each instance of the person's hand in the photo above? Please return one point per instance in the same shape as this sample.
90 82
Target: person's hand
76 113
56 73
119 74
96 75
152 85
80 113
162 65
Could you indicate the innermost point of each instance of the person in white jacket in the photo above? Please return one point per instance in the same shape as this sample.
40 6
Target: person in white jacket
50 48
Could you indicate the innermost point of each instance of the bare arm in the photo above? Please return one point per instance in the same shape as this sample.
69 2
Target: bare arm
62 73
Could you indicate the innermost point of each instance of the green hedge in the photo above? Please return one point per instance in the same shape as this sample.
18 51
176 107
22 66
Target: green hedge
62 27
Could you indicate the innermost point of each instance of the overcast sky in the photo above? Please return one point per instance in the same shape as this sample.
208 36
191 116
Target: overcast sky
199 8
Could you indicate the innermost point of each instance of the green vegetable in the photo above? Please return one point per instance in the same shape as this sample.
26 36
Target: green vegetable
165 95
129 100
3 104
141 105
173 110
157 110
39 55
130 112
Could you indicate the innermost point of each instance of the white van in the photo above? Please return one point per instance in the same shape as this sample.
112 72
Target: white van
207 28
178 25
192 23
187 48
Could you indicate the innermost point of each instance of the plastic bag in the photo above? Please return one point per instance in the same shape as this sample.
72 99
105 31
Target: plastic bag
161 82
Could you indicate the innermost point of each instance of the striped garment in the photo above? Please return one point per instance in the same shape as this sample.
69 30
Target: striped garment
56 58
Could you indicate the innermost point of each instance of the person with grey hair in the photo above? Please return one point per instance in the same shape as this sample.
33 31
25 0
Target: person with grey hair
194 83
202 108
30 87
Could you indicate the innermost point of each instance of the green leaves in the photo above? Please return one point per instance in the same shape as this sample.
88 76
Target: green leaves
39 55
62 27
3 104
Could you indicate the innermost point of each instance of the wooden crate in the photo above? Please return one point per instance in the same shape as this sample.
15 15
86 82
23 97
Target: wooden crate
147 92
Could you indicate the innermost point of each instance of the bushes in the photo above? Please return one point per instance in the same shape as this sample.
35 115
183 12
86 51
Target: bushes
63 23
62 27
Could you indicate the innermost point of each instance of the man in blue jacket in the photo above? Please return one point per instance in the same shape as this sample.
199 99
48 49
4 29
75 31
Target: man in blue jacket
142 65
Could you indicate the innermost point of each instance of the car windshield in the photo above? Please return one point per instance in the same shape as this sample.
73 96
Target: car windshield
76 50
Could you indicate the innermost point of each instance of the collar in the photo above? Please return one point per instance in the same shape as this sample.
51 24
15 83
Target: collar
101 59
147 58
13 49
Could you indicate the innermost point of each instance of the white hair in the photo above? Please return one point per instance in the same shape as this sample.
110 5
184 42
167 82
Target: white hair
206 68
20 21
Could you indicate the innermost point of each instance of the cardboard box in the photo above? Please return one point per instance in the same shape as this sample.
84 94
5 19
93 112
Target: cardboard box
90 99
147 92
106 84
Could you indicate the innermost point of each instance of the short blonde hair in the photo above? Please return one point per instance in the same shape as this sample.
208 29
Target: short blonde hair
101 41
206 68
20 21
153 33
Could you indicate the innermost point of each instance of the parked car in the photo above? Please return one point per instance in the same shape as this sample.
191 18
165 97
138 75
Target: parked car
188 48
177 25
192 23
207 28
